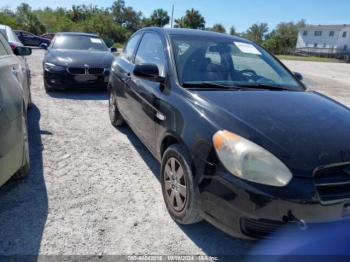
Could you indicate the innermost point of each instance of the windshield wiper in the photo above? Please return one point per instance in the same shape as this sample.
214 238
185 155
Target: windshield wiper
210 85
263 86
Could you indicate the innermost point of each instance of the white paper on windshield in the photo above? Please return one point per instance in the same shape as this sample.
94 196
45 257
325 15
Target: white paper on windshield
95 40
247 48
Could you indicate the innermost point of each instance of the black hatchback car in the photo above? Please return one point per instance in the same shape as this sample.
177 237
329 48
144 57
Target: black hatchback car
29 39
77 60
241 142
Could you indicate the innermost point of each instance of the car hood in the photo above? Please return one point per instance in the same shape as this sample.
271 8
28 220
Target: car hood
73 58
303 129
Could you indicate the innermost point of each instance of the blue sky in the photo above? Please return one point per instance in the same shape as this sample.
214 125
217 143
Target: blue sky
240 13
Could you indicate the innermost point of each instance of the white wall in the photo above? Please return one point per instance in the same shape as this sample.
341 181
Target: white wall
344 41
310 39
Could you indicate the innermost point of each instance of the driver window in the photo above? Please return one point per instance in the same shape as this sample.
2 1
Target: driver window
151 51
3 51
131 46
214 57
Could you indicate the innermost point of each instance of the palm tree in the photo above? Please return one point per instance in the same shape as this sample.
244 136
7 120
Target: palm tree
179 23
233 31
160 17
192 19
257 32
218 28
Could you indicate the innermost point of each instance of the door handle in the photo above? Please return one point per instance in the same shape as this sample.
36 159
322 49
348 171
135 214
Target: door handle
127 77
14 71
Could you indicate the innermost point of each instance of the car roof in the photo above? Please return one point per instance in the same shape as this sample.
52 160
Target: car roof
3 26
194 32
76 33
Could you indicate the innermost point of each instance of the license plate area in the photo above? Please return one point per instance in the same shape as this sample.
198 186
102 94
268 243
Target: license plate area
85 78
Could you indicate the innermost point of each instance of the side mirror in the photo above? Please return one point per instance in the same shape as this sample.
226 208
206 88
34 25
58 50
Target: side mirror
149 72
44 46
22 51
113 49
298 76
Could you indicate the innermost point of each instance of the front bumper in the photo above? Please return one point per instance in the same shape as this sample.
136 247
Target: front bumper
65 80
248 210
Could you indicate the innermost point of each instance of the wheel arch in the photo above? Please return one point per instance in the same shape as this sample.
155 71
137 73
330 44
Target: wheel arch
172 139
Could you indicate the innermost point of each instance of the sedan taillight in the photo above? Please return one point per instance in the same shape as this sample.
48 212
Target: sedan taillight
13 46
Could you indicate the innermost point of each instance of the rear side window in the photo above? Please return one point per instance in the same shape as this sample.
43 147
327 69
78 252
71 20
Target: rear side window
131 46
13 37
3 32
151 51
3 51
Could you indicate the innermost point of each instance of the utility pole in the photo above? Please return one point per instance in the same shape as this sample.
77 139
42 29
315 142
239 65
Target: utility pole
172 16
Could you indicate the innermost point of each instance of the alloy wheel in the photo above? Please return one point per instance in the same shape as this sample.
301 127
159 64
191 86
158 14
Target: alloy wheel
175 184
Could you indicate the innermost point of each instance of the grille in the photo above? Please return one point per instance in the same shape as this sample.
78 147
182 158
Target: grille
333 183
260 228
95 71
76 71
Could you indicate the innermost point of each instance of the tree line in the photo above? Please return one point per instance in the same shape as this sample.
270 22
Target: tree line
116 23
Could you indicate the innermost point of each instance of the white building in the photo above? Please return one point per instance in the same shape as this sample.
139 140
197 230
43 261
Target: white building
324 39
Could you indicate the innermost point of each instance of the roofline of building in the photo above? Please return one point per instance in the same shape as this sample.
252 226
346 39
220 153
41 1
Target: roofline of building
329 27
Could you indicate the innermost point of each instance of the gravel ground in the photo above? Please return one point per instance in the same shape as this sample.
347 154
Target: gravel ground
94 189
331 79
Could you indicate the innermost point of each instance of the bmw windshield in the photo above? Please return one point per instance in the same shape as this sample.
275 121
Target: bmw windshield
223 61
79 42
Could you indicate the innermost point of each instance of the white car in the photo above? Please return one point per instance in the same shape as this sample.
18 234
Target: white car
24 76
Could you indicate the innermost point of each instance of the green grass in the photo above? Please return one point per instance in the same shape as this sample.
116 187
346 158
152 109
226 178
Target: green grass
118 45
308 58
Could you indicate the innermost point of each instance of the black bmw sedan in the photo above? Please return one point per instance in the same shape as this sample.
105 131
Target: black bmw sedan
76 60
242 143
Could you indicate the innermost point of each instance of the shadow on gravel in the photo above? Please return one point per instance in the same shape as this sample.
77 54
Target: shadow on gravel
211 240
23 203
80 94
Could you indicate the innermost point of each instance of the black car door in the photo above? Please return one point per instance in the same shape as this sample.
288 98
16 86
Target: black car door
121 76
145 94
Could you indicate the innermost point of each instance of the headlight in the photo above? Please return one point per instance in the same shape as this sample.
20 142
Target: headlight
53 67
249 161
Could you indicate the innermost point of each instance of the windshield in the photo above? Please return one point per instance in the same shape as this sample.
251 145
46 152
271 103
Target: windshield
79 42
227 62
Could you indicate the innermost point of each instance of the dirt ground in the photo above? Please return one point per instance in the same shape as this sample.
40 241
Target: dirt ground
94 189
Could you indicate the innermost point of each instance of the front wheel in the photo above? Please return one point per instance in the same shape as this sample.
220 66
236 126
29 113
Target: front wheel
114 114
178 186
47 88
30 101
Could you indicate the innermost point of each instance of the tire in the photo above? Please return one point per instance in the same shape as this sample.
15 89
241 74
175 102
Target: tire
24 170
47 88
114 114
30 101
177 180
